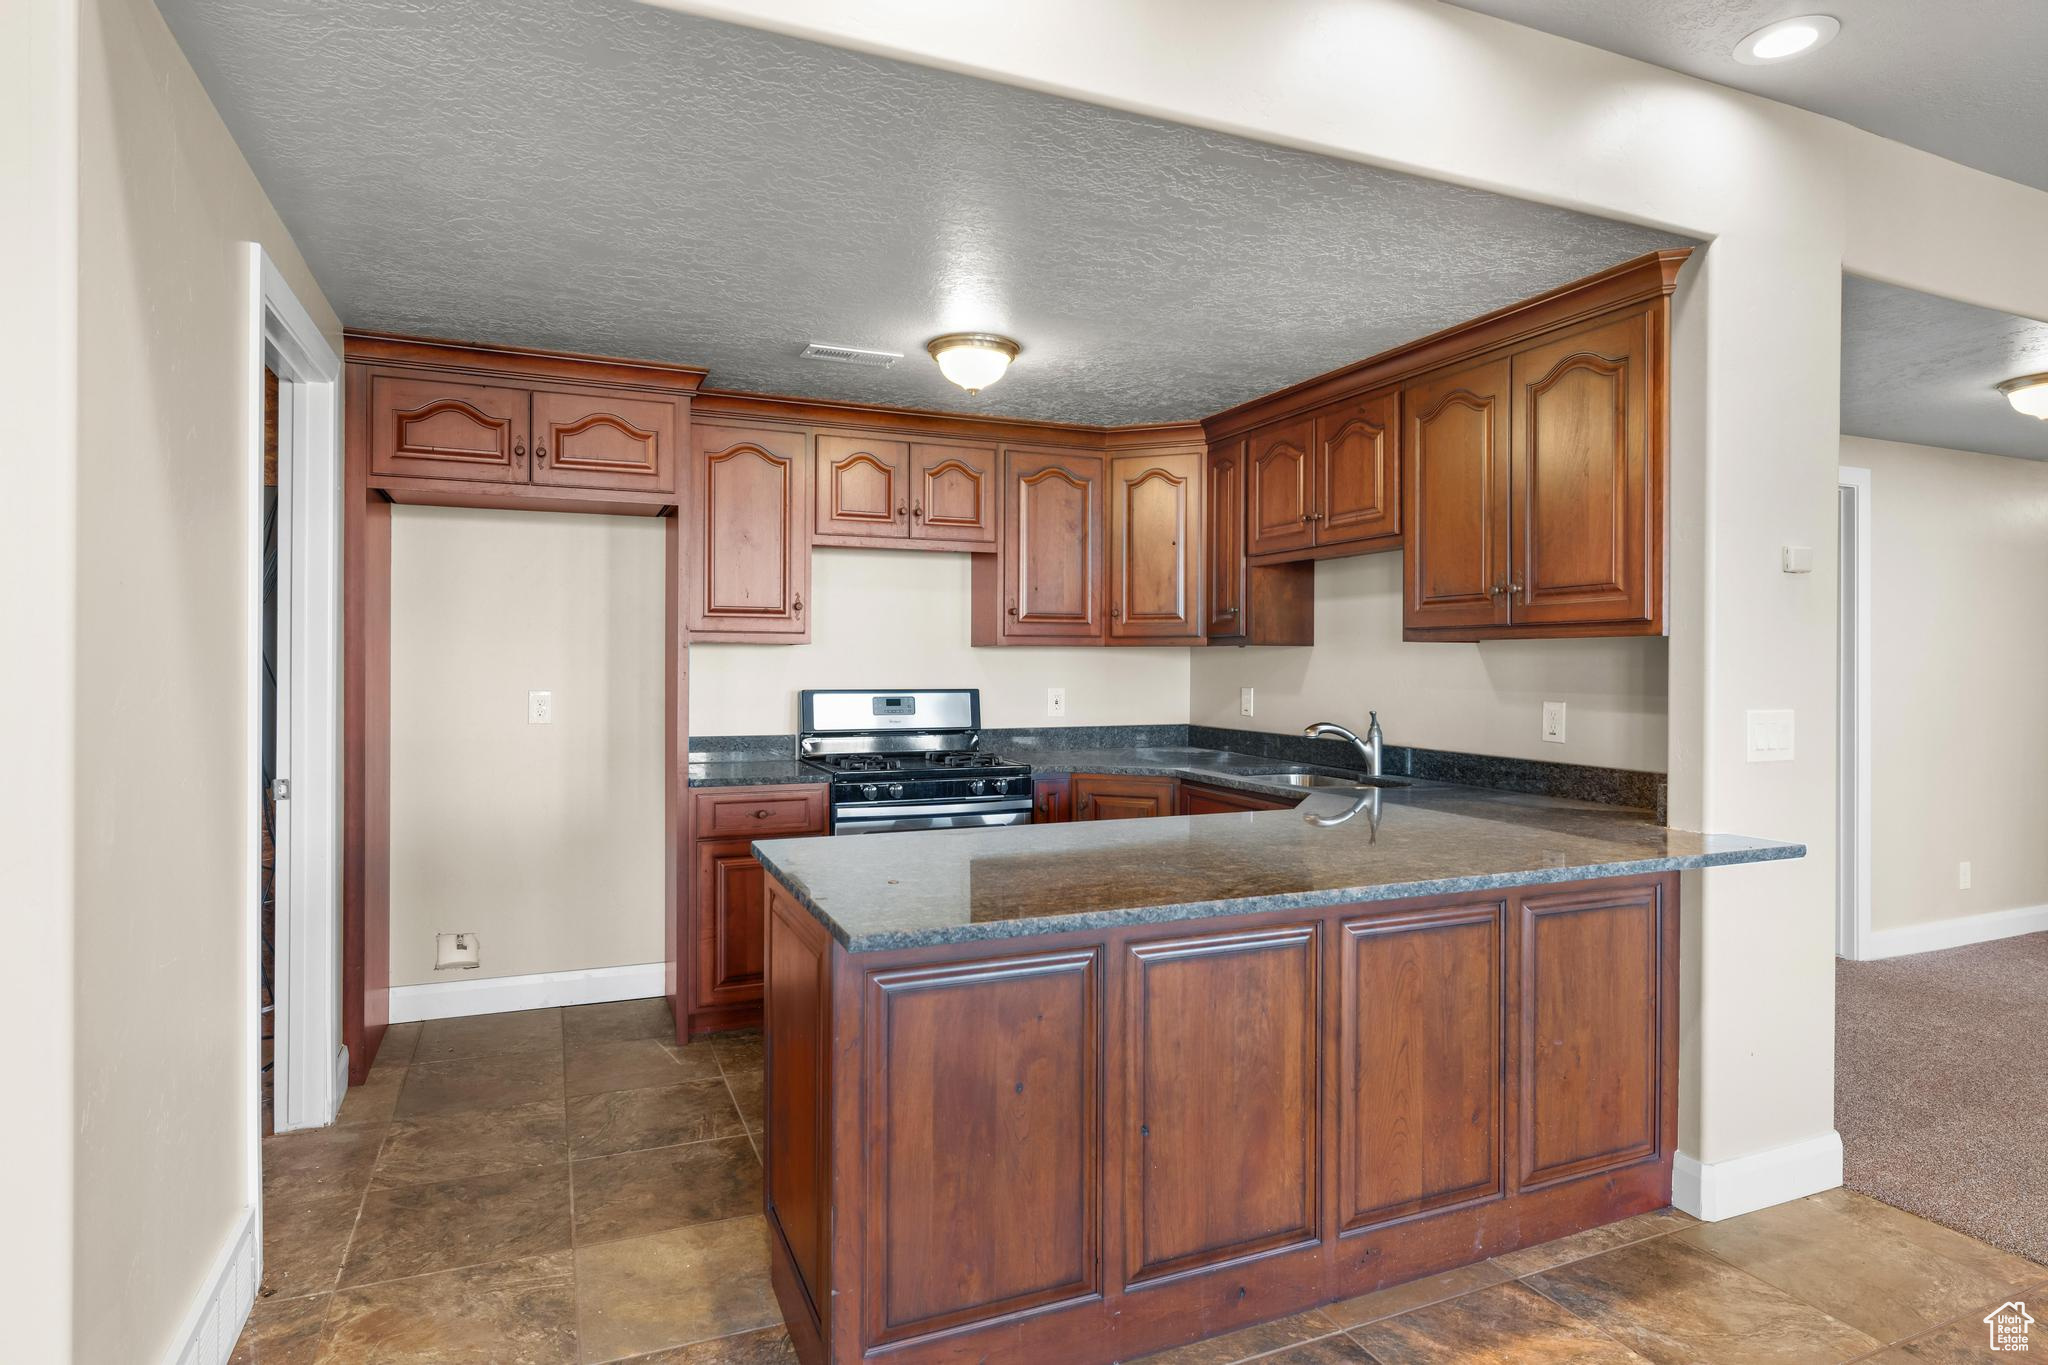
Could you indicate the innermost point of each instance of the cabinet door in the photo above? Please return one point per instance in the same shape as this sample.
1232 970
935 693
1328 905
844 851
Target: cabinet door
753 550
953 493
1456 490
863 489
1194 799
1052 571
1588 506
1421 1035
1051 802
1358 473
1279 488
1155 510
439 429
600 440
1223 571
728 909
1103 797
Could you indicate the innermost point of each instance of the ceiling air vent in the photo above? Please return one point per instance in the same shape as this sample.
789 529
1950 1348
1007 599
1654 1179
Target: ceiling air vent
851 355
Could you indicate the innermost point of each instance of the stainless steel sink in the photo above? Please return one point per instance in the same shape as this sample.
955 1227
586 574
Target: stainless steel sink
1325 780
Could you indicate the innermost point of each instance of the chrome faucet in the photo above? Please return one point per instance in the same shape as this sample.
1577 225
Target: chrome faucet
1373 746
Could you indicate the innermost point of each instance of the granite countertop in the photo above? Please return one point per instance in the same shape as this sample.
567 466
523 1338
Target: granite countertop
890 891
751 772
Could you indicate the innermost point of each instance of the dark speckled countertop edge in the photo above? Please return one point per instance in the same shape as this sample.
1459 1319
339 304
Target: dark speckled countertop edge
1124 916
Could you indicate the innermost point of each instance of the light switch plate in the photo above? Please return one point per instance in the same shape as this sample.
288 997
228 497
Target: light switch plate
1796 558
540 708
1770 736
1244 701
1055 701
1553 722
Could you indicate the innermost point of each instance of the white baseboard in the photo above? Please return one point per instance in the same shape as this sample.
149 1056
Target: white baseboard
1954 933
215 1322
500 994
1713 1191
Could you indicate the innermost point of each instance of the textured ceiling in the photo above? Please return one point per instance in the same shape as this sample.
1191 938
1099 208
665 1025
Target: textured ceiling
1923 369
602 176
1965 79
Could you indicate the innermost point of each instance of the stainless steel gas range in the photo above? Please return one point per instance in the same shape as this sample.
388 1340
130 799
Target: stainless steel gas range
909 760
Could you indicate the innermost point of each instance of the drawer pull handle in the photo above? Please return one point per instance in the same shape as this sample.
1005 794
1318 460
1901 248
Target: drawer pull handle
761 815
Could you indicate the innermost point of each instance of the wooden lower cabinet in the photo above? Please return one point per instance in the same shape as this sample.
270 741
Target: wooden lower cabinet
1196 799
1100 796
723 933
1089 1146
1052 801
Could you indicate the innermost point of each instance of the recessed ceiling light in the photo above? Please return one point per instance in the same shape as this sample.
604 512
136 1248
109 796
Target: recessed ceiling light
1786 39
973 360
2028 394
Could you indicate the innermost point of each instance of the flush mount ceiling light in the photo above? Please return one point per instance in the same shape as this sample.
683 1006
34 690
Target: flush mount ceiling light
2028 394
1786 39
973 360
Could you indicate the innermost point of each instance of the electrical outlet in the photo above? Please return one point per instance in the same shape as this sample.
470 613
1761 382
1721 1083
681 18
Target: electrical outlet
540 708
1055 701
1962 876
453 952
1553 722
1244 701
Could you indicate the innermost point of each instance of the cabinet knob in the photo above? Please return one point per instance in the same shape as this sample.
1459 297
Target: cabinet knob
900 509
797 605
540 454
519 450
1230 611
917 509
1012 608
761 814
1116 613
1497 589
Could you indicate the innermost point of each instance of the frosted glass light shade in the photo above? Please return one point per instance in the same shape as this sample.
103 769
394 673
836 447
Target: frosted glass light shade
973 360
2028 395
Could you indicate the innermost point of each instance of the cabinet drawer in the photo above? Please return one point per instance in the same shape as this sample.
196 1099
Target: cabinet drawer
753 812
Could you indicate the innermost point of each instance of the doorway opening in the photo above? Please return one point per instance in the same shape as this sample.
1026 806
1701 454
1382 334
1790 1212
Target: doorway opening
1852 749
297 1072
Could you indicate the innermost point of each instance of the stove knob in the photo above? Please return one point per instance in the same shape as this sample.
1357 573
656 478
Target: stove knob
979 786
868 791
895 791
1006 784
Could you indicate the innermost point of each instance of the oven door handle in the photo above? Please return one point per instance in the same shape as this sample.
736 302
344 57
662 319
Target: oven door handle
886 811
980 819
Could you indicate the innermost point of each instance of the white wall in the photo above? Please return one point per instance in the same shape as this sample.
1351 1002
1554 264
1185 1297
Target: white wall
1959 552
544 840
1477 698
38 571
898 618
164 675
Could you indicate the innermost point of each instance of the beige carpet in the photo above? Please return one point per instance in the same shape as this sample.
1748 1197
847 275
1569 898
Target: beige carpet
1941 1087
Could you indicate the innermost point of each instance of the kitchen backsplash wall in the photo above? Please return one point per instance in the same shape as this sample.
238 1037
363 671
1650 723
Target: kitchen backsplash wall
898 618
1474 699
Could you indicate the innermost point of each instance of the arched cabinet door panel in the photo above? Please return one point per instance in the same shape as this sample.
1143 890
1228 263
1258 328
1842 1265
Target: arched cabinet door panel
751 547
1456 487
1052 559
1358 472
1280 488
863 489
953 494
439 429
1155 516
604 441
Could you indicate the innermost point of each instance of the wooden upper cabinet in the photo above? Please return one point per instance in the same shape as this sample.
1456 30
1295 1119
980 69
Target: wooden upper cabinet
1358 472
1456 453
863 489
437 428
1586 543
1535 486
591 439
1051 571
1223 569
953 494
750 489
1280 487
1155 516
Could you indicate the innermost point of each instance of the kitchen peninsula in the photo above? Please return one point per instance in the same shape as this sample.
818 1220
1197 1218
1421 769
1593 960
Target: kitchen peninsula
1080 1092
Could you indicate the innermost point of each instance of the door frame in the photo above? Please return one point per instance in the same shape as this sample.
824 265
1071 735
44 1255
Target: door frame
308 1080
1853 784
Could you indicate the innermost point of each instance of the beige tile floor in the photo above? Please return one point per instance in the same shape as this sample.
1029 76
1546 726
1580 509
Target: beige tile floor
570 1186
